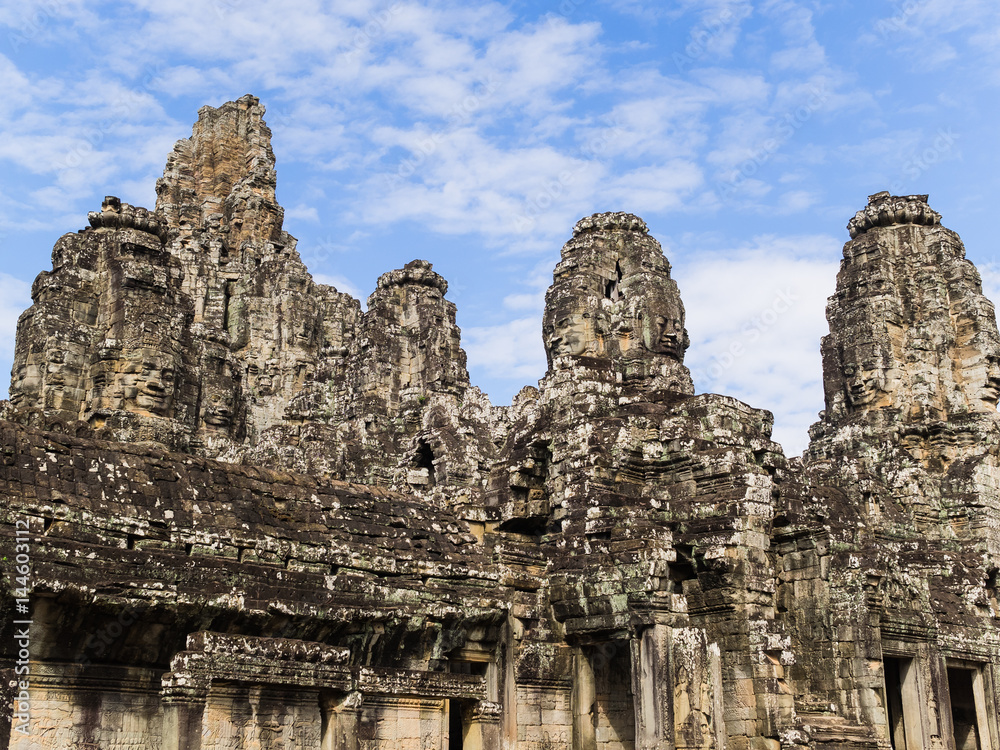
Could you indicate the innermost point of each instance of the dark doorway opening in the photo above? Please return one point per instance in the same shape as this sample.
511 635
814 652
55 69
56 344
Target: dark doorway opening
611 290
964 720
613 712
456 727
425 460
894 701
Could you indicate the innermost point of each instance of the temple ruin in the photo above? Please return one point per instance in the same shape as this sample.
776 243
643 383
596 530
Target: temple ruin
259 516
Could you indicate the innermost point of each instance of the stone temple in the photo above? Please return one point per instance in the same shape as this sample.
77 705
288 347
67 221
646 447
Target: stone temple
258 516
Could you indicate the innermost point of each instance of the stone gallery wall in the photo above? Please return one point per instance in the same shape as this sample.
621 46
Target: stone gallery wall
260 517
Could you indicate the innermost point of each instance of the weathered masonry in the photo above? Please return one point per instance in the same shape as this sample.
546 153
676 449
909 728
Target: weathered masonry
261 517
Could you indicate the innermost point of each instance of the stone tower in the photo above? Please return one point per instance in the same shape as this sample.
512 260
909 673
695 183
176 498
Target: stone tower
613 300
108 341
911 332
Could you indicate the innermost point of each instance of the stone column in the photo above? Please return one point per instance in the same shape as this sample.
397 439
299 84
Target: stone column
341 717
183 713
696 670
676 681
583 700
482 722
652 689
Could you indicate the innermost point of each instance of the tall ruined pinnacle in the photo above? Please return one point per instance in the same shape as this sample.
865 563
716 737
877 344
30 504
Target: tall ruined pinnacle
222 179
613 300
911 335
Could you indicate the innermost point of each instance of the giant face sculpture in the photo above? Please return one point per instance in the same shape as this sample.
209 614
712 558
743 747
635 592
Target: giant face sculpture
662 325
574 334
25 385
219 397
863 383
977 346
990 392
868 382
219 411
613 300
146 383
982 377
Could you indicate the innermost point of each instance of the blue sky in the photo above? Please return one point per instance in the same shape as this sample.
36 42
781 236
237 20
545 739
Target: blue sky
474 135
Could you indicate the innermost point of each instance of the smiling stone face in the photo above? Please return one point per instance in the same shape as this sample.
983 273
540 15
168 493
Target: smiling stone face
146 384
219 390
574 334
663 331
156 390
982 375
25 384
219 412
990 391
863 383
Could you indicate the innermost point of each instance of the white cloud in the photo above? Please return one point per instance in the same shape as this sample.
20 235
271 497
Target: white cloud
341 284
795 201
755 315
653 189
302 212
932 35
510 352
518 302
990 273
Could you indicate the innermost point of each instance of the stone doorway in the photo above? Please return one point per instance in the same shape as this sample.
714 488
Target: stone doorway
902 703
970 726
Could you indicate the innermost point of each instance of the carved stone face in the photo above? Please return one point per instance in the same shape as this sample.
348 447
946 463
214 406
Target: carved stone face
574 334
26 384
992 389
863 383
663 328
219 394
989 392
148 384
219 411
